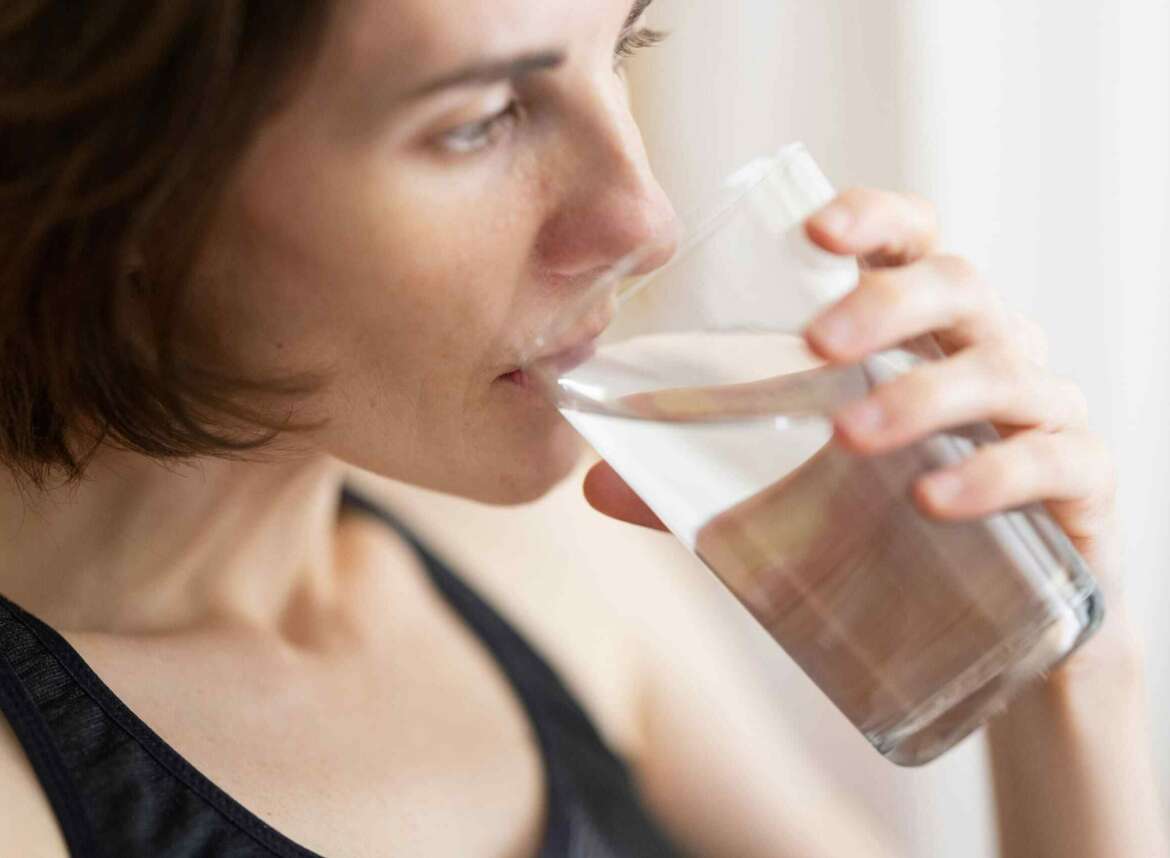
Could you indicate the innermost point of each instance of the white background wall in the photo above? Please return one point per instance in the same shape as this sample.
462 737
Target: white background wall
1041 128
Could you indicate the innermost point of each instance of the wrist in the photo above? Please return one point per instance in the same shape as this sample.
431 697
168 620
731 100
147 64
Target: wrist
1071 759
1109 667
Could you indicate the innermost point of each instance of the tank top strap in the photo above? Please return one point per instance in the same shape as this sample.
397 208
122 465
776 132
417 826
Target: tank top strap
25 662
116 787
576 756
540 686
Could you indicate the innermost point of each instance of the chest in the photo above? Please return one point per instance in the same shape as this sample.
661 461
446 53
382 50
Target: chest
424 749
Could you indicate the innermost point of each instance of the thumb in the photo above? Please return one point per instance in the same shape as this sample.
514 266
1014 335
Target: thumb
608 493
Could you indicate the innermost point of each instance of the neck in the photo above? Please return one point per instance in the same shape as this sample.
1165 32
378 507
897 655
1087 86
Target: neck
140 547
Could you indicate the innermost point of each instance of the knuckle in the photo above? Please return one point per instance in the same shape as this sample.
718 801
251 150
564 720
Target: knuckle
925 207
1004 361
939 385
958 268
1111 482
885 288
861 197
1104 466
1035 337
1076 402
1087 468
995 474
964 277
918 392
875 277
927 214
1047 456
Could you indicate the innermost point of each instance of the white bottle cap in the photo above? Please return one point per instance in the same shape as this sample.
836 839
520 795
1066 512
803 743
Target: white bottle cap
800 189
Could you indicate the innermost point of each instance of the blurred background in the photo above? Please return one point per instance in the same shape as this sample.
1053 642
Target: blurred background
1041 129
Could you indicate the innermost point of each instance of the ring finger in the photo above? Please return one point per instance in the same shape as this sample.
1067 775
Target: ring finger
1072 471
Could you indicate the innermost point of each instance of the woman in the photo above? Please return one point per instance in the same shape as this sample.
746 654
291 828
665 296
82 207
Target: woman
247 242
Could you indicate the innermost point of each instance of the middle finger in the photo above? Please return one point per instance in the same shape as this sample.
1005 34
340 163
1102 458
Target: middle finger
940 293
992 382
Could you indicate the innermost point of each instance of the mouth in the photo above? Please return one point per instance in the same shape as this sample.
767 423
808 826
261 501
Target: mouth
518 377
562 358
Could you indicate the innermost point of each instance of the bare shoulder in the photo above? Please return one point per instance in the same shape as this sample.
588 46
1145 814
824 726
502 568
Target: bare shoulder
27 824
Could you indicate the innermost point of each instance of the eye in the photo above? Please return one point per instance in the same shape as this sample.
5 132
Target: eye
633 41
482 134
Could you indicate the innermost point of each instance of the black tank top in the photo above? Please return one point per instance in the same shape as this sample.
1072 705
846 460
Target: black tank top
119 791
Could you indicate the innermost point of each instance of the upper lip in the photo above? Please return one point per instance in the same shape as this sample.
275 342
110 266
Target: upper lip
567 346
597 294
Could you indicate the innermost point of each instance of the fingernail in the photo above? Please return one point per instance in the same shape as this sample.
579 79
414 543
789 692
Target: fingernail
835 219
864 418
943 488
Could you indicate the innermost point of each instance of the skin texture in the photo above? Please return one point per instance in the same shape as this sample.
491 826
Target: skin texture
419 275
360 234
363 235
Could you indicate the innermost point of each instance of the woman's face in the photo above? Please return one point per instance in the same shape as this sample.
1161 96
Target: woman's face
414 214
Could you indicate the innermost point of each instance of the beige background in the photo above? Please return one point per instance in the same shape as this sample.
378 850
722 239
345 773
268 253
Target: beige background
1041 128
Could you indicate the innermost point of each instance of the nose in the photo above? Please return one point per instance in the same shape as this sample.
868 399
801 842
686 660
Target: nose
611 205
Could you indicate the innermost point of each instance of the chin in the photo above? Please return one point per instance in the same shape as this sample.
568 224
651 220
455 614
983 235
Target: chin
536 469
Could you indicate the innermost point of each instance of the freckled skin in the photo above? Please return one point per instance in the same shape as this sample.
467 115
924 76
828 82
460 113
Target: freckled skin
351 242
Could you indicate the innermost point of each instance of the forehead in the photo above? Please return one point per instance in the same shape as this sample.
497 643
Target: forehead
418 34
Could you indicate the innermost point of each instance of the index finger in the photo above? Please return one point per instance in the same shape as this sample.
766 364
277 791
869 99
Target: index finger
609 494
884 228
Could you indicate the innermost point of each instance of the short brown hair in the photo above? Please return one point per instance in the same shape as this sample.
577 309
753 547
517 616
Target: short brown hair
120 122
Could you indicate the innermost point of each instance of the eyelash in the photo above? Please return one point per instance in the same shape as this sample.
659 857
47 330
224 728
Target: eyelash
631 43
475 136
478 136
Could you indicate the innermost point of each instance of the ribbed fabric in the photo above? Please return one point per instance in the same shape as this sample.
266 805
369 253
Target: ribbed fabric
119 791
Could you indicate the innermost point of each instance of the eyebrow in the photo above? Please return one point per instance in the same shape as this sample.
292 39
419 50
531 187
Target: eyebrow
492 71
513 69
640 7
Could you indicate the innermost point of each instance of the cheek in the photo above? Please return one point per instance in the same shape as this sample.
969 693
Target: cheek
414 247
416 307
348 278
432 408
447 264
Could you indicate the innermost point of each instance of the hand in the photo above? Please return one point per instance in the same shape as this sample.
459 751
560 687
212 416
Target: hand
994 370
